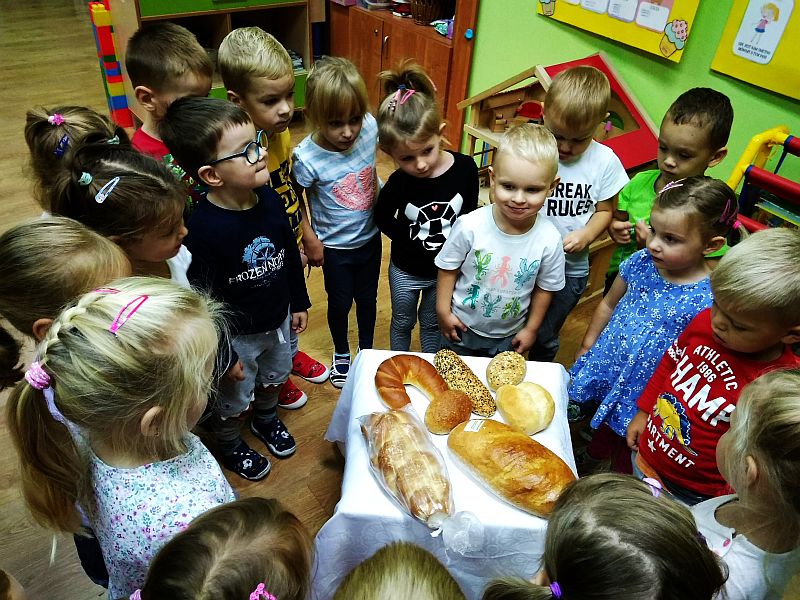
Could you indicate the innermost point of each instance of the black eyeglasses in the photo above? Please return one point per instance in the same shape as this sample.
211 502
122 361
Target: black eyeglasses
251 152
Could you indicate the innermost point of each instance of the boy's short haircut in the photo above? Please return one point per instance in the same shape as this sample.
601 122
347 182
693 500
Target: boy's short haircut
160 53
193 127
580 95
334 85
250 52
704 107
760 275
532 142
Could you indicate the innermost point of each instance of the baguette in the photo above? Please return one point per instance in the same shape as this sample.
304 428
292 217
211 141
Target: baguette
459 376
394 373
513 466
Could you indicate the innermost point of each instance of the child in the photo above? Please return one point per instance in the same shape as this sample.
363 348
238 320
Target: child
244 253
687 405
420 202
399 570
591 176
757 530
129 368
336 166
658 291
692 138
250 548
611 536
52 134
10 589
259 75
501 264
131 199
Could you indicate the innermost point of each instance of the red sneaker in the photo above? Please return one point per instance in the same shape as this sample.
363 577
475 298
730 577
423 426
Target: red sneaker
309 369
291 396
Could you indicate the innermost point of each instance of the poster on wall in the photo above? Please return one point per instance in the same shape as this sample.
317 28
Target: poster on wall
760 45
661 27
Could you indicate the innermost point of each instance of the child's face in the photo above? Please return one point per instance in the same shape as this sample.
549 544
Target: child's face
519 190
748 332
571 142
674 242
238 173
159 244
419 159
339 135
683 150
187 85
269 102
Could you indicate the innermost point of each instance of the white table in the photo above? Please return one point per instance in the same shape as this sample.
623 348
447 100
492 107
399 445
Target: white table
366 519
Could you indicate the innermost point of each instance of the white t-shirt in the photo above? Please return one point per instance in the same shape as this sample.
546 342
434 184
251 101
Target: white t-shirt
595 176
179 265
498 271
753 573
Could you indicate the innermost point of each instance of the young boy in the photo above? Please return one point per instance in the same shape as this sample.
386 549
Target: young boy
246 255
591 176
687 405
259 76
501 264
692 138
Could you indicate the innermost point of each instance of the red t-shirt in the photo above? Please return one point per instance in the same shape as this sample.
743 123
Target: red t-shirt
147 144
690 399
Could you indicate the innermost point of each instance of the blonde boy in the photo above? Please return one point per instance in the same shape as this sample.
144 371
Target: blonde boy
259 75
591 177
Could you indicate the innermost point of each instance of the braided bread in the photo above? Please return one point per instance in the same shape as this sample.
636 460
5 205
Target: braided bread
394 373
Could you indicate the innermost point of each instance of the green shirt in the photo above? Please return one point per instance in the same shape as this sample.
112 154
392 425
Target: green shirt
636 198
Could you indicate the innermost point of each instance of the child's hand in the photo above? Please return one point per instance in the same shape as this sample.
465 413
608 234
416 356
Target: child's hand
620 231
642 231
314 251
303 258
635 430
576 241
451 325
299 321
581 351
236 372
523 341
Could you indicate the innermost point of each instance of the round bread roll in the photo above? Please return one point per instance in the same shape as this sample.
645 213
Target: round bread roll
507 368
394 373
446 411
526 407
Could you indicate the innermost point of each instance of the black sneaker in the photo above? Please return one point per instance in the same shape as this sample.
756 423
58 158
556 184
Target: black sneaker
246 462
276 437
339 370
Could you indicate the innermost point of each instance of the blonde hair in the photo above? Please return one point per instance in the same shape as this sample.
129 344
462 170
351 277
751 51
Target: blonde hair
776 12
532 142
760 274
250 52
580 96
52 140
104 382
334 90
415 118
710 203
399 571
227 551
595 547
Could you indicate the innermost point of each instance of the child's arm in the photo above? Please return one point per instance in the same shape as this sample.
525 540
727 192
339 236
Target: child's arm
299 321
635 430
620 228
577 241
602 315
448 322
526 337
312 247
647 400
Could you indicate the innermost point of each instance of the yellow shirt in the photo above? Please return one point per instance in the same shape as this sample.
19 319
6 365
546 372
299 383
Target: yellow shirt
279 163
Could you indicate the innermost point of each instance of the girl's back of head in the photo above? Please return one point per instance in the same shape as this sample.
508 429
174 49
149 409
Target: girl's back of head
399 571
130 366
334 91
409 112
231 550
52 135
710 202
609 537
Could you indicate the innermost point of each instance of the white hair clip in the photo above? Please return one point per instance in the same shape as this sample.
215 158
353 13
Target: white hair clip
106 190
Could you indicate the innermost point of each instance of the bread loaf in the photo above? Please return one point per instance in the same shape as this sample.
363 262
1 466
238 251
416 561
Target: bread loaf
446 411
512 465
527 407
410 467
507 368
460 377
394 373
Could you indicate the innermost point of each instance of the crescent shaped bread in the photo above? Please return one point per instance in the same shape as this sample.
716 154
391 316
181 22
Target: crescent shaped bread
460 377
394 373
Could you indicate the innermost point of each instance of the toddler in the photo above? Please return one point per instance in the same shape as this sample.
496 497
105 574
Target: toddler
501 263
420 202
687 405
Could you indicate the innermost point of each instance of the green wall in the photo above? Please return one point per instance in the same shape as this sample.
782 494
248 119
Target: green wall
510 37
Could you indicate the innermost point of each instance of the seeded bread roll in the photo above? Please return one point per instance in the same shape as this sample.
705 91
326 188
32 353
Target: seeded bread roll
459 376
446 411
507 368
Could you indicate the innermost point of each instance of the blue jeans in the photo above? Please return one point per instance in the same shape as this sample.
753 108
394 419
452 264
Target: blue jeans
564 300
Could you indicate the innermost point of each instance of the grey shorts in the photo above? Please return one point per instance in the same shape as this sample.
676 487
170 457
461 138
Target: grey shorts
474 344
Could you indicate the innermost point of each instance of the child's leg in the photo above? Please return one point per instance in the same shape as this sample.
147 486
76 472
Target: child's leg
339 284
404 289
429 335
367 274
564 300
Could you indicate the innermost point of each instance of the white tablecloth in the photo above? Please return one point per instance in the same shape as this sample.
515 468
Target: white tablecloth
366 519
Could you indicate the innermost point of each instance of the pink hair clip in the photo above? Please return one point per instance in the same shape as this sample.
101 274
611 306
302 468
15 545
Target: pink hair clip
137 595
261 593
654 485
401 96
127 312
55 119
671 185
37 376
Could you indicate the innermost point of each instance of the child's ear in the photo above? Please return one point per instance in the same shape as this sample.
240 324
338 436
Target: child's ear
40 328
145 97
750 471
792 336
150 425
714 244
553 185
717 157
235 98
442 127
209 176
491 175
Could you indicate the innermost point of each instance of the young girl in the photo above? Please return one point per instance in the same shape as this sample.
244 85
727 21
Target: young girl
611 536
52 134
757 530
657 292
128 367
336 166
250 548
420 201
131 199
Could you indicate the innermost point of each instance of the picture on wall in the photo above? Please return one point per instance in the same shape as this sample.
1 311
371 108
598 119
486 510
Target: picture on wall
661 27
760 44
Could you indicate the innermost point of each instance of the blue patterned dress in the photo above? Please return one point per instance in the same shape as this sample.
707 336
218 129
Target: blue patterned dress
649 317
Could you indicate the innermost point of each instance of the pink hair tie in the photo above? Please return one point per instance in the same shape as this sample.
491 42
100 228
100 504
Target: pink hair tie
55 119
555 589
737 224
260 593
137 595
37 376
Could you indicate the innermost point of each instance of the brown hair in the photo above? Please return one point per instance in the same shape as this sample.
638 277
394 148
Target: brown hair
226 552
580 95
704 107
334 88
710 202
416 119
249 52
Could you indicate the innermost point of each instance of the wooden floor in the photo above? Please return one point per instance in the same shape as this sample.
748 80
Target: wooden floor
49 59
